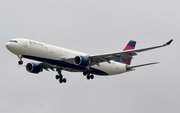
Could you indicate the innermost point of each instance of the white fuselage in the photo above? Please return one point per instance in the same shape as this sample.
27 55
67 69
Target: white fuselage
54 55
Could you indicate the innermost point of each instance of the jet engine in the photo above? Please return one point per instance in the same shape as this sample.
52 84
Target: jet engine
33 68
81 61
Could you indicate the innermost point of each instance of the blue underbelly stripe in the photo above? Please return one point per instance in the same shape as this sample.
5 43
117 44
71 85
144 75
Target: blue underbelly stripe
65 64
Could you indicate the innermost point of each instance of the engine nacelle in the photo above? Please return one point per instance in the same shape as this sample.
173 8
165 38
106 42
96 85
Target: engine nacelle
33 68
81 61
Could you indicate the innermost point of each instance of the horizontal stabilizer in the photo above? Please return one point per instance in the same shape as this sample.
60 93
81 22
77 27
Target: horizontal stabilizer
131 67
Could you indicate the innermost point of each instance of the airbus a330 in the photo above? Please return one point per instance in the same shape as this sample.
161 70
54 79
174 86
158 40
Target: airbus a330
58 59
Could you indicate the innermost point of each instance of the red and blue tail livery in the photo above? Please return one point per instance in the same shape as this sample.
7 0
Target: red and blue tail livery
130 45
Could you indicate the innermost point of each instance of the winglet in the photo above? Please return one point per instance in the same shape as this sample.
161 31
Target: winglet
168 43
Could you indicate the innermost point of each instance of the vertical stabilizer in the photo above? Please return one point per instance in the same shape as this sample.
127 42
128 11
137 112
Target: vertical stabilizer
129 46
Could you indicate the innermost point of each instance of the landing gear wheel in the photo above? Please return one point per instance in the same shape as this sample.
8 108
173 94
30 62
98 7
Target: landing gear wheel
64 80
92 76
60 80
20 62
57 77
84 73
88 77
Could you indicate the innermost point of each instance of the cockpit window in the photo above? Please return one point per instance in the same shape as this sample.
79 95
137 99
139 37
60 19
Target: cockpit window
13 41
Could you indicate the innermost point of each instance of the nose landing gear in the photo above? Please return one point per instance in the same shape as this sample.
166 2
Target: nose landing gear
20 62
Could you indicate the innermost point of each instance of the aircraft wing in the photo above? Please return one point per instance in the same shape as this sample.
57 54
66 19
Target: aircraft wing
96 59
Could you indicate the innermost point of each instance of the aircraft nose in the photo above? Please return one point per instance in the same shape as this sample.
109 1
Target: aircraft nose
8 45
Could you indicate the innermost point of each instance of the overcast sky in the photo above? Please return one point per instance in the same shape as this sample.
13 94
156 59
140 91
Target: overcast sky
93 27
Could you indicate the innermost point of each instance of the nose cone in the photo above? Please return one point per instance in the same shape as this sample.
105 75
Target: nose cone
13 46
8 45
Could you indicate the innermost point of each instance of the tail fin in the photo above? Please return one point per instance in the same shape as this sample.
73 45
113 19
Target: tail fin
130 45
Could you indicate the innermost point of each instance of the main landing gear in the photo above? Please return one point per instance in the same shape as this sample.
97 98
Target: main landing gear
60 77
88 75
63 80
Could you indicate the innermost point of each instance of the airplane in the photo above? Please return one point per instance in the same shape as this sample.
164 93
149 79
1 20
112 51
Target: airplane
58 59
